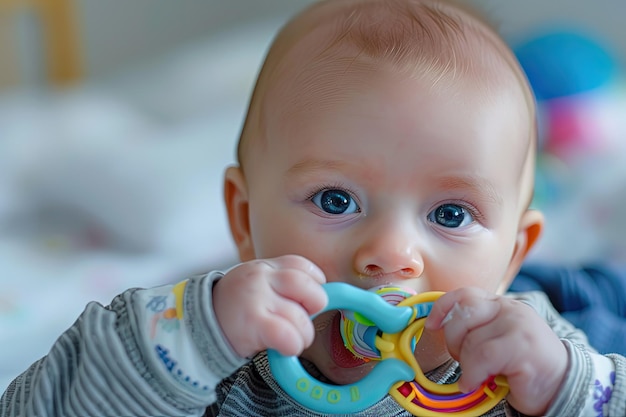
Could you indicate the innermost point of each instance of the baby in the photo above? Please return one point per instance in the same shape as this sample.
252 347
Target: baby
388 142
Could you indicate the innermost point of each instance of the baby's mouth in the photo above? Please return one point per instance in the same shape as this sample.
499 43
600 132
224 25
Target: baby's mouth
352 336
338 351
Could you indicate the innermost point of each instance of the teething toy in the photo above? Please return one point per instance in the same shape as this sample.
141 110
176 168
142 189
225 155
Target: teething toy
386 333
359 334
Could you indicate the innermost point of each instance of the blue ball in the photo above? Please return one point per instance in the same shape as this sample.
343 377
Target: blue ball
565 62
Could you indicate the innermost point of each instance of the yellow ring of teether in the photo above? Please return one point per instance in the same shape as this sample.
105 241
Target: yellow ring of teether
398 345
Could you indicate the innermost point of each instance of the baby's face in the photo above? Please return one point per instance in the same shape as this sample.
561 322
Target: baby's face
393 182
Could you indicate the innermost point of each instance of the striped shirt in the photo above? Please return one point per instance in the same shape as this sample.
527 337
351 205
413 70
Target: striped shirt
160 352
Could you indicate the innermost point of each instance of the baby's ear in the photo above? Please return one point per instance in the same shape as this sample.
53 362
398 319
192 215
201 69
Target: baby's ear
236 199
531 227
528 232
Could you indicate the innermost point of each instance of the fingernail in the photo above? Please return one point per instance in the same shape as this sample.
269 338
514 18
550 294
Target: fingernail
316 270
457 312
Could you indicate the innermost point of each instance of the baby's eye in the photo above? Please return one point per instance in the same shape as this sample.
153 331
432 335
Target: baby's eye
450 215
335 202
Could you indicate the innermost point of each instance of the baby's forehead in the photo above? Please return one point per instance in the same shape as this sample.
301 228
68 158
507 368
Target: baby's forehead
324 52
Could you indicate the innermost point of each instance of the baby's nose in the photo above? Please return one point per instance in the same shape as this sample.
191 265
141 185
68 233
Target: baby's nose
393 254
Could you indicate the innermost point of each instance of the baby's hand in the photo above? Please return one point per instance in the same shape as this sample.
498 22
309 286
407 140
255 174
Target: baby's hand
494 335
267 304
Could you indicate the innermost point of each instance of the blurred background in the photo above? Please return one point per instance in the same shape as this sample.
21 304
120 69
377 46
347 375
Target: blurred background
118 117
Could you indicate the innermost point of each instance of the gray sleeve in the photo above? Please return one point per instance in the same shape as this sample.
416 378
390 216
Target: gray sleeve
577 395
617 403
99 366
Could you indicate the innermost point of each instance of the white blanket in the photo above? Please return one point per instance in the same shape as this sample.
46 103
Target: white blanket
117 184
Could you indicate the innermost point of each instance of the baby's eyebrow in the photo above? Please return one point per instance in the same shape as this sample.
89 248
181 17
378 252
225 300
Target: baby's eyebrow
477 185
312 165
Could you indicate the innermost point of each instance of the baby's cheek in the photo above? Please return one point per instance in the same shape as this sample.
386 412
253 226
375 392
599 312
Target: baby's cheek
463 275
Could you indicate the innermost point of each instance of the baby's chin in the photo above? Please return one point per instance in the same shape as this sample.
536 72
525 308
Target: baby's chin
342 367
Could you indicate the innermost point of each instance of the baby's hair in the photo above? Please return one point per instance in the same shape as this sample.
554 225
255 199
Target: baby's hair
430 39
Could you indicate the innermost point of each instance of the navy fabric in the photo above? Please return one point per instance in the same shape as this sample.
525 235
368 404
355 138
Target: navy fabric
592 297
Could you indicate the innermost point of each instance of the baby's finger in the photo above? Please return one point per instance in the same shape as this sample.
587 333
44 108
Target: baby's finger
462 313
281 334
470 319
293 313
298 286
455 304
299 263
485 352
